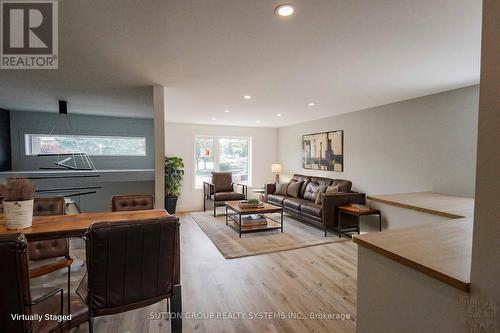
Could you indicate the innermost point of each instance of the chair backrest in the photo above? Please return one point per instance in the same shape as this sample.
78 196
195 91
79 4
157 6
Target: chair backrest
121 203
223 181
131 264
14 283
48 206
39 250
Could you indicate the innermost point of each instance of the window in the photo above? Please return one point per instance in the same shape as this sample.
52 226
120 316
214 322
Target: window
89 144
222 154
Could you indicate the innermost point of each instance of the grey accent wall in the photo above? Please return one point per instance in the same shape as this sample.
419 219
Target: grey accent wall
42 122
5 154
118 174
422 144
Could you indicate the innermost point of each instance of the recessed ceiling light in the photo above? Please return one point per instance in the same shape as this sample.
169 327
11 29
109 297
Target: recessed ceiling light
311 104
247 97
284 10
226 111
257 121
214 118
278 114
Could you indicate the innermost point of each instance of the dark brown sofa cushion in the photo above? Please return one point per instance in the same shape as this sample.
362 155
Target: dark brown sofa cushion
293 203
293 189
315 186
311 209
276 198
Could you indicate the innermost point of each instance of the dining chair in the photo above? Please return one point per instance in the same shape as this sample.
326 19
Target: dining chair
122 203
132 264
222 189
18 299
48 249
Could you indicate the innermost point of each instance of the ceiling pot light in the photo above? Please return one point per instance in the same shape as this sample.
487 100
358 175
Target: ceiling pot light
278 114
247 97
226 111
284 10
257 121
214 118
311 104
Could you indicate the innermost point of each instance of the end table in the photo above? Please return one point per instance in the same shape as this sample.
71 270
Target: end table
349 210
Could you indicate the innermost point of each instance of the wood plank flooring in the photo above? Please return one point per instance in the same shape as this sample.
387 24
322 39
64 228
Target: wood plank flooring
254 294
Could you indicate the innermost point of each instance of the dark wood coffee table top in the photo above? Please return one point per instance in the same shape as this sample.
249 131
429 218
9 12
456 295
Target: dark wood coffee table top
267 208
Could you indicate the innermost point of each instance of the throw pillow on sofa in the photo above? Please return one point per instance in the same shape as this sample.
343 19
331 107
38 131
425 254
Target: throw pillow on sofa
329 190
321 190
281 188
294 189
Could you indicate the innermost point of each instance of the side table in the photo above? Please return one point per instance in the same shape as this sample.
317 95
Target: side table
349 210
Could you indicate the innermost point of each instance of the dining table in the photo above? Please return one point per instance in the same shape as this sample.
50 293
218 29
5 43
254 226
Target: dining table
75 225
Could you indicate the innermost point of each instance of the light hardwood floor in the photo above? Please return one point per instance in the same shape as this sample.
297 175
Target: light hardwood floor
319 279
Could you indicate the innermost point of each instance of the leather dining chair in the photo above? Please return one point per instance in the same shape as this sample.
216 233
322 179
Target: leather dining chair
54 248
18 298
132 264
222 189
123 203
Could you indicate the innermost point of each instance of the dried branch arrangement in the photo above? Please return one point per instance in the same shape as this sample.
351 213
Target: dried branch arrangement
17 189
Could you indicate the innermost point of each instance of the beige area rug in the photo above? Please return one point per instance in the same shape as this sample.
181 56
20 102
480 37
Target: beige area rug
296 235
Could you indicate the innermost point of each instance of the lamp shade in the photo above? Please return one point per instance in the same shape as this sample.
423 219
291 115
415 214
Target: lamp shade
276 168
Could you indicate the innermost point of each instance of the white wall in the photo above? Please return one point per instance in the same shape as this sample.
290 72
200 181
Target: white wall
180 142
422 144
485 268
394 298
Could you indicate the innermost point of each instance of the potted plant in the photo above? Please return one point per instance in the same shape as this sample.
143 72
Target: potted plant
18 195
174 172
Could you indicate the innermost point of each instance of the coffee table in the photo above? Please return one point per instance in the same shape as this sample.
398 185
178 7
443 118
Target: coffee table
263 211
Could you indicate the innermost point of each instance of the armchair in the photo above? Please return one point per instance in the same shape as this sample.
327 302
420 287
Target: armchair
18 298
132 264
222 189
54 248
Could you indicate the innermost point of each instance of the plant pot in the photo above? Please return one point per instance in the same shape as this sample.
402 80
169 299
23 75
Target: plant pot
171 204
18 214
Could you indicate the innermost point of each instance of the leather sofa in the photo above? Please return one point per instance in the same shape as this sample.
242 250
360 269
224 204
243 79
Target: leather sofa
305 209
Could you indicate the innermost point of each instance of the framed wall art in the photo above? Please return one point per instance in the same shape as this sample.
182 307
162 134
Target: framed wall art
323 151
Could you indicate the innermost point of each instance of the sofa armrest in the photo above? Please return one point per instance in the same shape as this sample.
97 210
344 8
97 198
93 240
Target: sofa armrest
332 200
270 188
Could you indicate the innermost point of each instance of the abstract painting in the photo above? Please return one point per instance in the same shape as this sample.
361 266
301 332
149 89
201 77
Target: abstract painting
323 151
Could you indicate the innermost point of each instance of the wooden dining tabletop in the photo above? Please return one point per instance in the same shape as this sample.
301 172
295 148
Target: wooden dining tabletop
75 225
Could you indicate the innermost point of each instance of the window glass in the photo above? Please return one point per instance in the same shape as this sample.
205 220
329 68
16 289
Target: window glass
204 151
91 145
221 154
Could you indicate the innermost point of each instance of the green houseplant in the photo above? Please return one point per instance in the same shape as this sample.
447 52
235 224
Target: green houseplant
174 172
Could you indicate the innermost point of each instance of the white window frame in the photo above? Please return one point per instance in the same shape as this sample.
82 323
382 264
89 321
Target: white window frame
28 151
216 155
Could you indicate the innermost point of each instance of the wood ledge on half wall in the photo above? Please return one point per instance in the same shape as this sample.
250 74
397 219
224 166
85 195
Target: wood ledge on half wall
450 206
442 250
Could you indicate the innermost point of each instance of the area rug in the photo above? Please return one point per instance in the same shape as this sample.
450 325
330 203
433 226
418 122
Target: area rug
296 235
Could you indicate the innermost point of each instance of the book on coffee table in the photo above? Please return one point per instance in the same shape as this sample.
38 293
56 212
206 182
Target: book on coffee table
253 220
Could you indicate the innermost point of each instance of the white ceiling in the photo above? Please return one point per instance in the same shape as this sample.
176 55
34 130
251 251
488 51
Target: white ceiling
342 55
